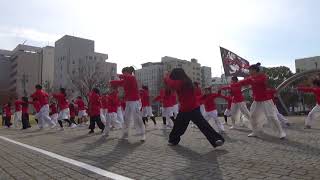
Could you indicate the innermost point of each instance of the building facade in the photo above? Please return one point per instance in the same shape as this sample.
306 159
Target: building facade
78 68
309 63
192 68
206 76
5 71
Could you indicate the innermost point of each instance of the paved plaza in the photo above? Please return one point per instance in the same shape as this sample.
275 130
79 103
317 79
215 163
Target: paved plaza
297 157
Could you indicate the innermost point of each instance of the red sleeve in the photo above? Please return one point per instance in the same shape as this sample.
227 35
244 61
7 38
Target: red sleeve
174 84
117 82
225 88
158 98
245 82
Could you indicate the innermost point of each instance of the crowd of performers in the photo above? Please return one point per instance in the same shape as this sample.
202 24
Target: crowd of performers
182 101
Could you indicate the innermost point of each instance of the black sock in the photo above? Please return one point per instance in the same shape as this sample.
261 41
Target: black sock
154 120
164 120
225 118
68 121
172 118
60 123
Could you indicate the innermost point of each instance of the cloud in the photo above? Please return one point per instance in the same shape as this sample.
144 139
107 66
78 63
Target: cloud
28 34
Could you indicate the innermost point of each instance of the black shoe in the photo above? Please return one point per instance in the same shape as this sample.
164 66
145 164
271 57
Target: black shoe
91 132
172 144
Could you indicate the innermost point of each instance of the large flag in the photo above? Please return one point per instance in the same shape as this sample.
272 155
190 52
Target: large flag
233 64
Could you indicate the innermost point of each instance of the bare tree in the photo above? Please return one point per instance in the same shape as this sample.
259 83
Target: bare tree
91 74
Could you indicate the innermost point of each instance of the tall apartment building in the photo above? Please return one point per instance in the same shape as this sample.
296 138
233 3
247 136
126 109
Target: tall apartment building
76 64
192 68
309 63
23 68
206 79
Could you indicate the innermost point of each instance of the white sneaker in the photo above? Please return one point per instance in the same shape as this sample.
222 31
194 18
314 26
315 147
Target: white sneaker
61 129
283 135
73 126
252 134
143 138
232 127
104 133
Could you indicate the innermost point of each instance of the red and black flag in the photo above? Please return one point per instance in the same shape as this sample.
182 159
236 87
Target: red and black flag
233 64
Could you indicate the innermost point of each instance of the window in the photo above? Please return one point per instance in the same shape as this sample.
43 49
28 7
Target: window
95 58
73 62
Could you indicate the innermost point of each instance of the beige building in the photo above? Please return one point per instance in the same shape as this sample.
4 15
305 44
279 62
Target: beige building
192 68
309 63
78 68
29 65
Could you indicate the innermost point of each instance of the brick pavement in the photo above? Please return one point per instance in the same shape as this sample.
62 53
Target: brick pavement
297 157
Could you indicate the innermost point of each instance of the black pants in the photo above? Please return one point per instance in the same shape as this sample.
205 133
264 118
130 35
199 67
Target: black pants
145 120
164 119
72 120
94 120
182 122
25 121
225 119
7 121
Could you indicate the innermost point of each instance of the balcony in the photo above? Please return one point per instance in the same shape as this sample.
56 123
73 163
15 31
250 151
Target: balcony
13 74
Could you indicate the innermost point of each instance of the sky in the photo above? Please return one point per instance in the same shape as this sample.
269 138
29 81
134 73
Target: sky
132 32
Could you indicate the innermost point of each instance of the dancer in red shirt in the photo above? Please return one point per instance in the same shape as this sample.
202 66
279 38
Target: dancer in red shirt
113 104
54 112
63 105
315 112
262 103
146 108
227 112
73 110
210 107
25 113
94 111
8 114
44 117
238 103
133 105
166 97
189 109
82 114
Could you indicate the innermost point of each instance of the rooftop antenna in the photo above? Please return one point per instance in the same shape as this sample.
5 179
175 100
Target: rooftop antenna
24 42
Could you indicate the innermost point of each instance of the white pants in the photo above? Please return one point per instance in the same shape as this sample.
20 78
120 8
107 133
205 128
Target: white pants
132 113
175 110
104 116
17 118
266 108
227 113
64 114
203 110
281 118
82 113
236 108
44 118
214 115
147 111
168 113
54 118
113 120
313 114
120 115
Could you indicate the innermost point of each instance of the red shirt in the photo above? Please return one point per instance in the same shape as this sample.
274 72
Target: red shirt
62 101
236 93
314 90
123 105
53 108
113 102
36 105
25 107
271 94
199 94
72 111
80 104
167 98
144 94
186 96
130 86
208 100
258 85
229 100
94 104
41 96
17 105
104 101
7 110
